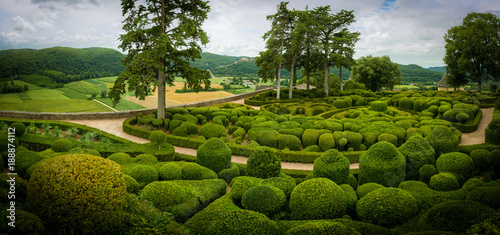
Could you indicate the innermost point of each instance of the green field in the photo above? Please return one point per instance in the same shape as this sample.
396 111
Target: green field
31 87
122 104
59 106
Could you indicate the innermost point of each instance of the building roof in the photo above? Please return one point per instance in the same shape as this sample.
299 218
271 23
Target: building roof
444 81
303 86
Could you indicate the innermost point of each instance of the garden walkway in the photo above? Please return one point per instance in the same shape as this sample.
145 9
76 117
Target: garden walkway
114 126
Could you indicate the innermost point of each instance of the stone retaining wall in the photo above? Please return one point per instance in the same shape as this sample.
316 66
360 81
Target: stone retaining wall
119 114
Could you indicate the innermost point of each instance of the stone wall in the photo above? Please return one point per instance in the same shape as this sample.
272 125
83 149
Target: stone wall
119 114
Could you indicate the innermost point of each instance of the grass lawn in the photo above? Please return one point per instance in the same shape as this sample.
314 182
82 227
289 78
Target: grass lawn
59 106
10 98
47 94
107 79
72 94
24 96
83 87
240 91
31 87
122 104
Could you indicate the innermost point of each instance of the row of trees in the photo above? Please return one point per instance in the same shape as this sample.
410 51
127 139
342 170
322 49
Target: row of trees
313 39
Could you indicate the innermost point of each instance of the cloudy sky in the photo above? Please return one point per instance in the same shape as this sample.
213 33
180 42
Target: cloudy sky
409 31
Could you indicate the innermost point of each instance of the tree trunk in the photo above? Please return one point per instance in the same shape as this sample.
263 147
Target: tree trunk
308 76
326 73
292 70
341 86
479 83
161 71
278 80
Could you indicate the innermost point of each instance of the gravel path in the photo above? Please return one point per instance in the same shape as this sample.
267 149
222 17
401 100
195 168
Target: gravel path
114 126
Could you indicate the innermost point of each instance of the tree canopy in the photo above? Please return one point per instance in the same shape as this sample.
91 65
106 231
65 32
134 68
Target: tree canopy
376 72
473 50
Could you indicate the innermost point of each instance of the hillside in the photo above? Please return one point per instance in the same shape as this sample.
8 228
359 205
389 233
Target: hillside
413 73
441 69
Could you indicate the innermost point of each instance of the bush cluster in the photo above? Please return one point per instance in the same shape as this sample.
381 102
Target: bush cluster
214 154
264 199
382 164
332 165
456 163
444 182
418 152
164 194
263 163
62 145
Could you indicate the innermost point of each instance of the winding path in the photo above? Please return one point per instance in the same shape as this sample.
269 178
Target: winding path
114 126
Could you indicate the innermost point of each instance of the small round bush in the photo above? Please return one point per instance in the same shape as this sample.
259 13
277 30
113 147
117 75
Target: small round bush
462 117
24 160
364 189
31 224
326 141
426 172
382 163
211 130
20 128
241 184
214 154
263 163
388 138
379 106
351 180
480 159
180 131
79 193
285 184
230 173
164 194
191 171
131 184
144 174
62 145
456 163
418 152
146 159
242 222
488 196
444 182
351 196
158 137
442 140
332 165
121 158
291 142
170 171
318 198
354 139
387 207
264 199
454 215
322 228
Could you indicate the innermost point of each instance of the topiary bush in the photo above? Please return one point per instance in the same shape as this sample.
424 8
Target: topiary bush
62 145
31 224
364 189
264 199
378 106
291 142
317 198
170 171
241 184
442 140
332 165
388 138
488 196
78 193
20 128
382 163
121 158
352 198
214 154
444 182
242 222
158 137
211 130
387 207
230 173
144 174
457 163
326 141
146 159
480 159
285 184
164 194
418 152
311 136
263 163
191 171
24 160
322 228
426 172
131 184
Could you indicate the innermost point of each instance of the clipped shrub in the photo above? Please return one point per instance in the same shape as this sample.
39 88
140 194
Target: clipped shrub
426 172
318 198
442 140
311 137
326 141
263 163
387 207
230 173
332 165
24 160
241 184
364 189
351 180
170 171
418 152
264 136
354 139
444 182
379 106
322 228
131 184
457 163
382 163
264 199
486 195
480 159
388 138
242 222
462 117
62 145
31 224
291 142
214 154
146 159
191 171
164 194
144 174
285 184
352 198
211 130
312 148
64 192
121 158
158 137
20 128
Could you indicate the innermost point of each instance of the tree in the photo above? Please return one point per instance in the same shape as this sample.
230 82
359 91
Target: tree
473 49
344 51
310 59
161 38
376 72
295 42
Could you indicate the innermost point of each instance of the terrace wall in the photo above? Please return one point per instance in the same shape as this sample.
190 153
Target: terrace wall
119 114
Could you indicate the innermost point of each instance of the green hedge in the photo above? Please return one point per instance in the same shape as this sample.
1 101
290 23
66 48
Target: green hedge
469 126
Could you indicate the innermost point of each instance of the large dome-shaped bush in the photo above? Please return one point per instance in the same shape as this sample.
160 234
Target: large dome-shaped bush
62 145
263 163
480 159
121 158
332 165
191 171
243 222
444 182
164 194
25 159
489 196
146 159
387 207
418 152
457 163
214 154
426 172
78 192
322 228
241 184
442 140
170 171
318 198
285 184
144 174
382 164
211 130
264 199
131 184
367 188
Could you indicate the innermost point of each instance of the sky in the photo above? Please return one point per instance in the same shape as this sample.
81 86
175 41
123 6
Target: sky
409 31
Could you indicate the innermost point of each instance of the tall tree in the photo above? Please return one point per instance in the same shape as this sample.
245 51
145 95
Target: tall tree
297 27
310 59
376 72
344 50
161 38
473 49
330 25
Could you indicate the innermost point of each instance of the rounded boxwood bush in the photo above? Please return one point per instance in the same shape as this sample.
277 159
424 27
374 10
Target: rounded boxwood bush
241 184
418 152
31 224
80 193
354 139
191 171
379 106
121 158
158 137
230 173
264 199
131 184
311 136
488 196
285 184
291 142
263 163
322 228
351 180
387 207
20 128
332 165
242 222
62 145
351 196
462 117
170 171
164 194
326 141
214 154
426 172
318 198
454 215
480 159
144 174
444 182
456 163
24 160
180 131
382 163
388 138
364 189
211 130
146 159
442 140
